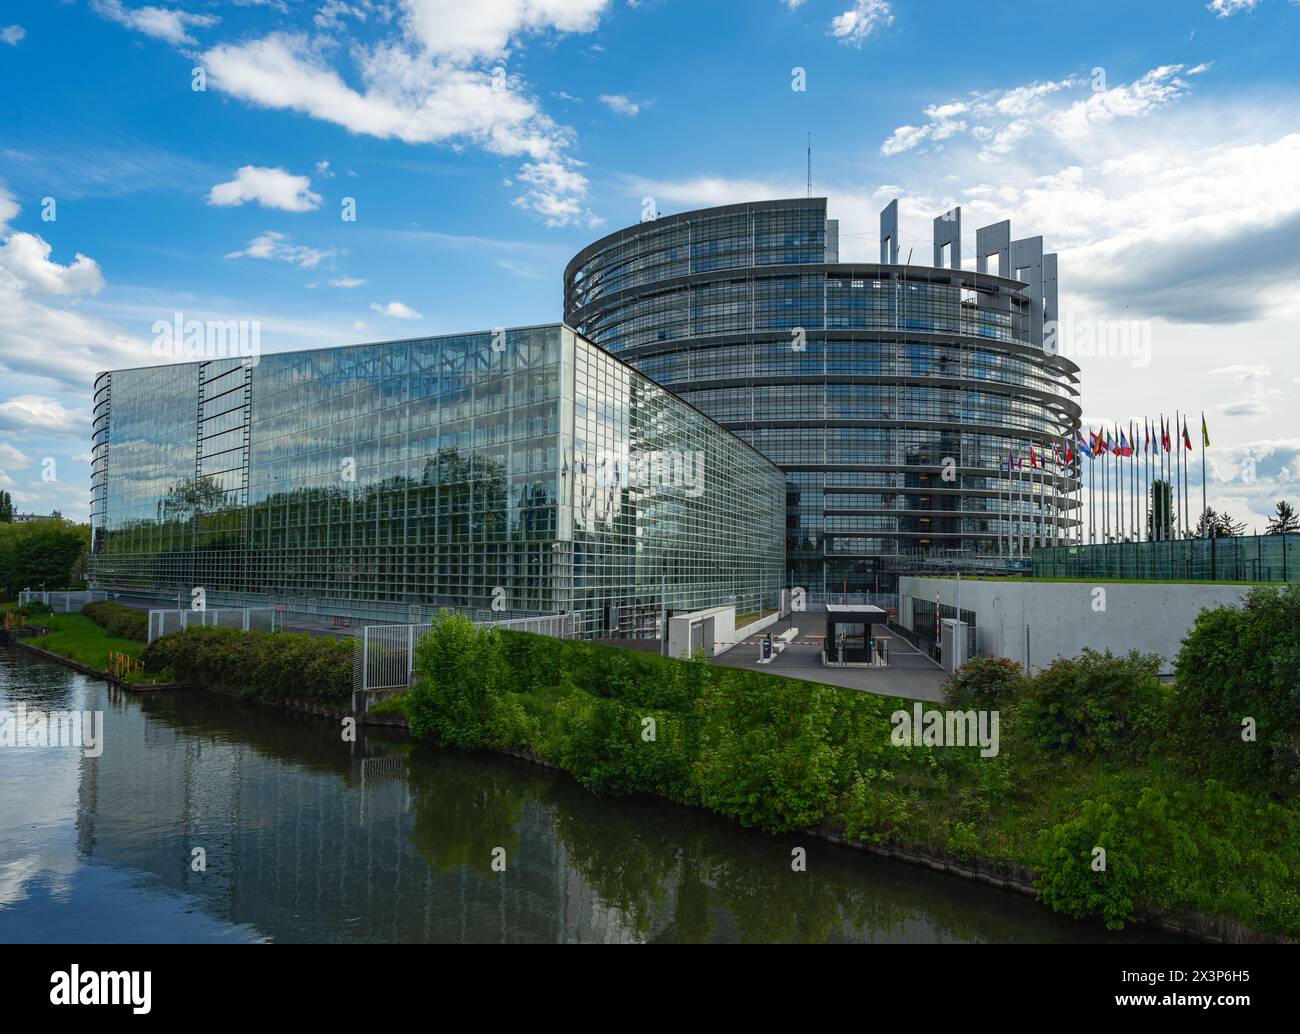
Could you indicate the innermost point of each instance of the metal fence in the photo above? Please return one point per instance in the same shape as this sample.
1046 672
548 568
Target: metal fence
246 619
884 600
62 602
383 656
1246 558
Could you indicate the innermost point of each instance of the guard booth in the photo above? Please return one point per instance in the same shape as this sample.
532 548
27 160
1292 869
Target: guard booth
853 635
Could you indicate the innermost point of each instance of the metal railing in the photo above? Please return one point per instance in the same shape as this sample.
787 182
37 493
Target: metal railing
246 619
62 602
383 656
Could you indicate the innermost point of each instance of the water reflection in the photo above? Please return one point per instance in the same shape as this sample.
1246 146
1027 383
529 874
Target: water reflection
309 838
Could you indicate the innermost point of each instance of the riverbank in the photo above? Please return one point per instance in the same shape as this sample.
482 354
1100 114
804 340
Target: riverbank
1108 793
793 756
76 640
313 839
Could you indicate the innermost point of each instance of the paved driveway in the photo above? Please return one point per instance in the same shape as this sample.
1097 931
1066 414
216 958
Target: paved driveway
910 673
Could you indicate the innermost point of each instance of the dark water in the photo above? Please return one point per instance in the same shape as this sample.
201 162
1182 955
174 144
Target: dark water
309 838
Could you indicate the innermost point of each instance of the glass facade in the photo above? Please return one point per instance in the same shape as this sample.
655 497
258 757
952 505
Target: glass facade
502 475
1253 558
863 382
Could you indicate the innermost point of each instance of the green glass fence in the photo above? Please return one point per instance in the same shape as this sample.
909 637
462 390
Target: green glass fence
1253 558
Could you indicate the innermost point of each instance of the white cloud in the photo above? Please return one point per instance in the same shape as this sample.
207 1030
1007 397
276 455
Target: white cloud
405 95
396 310
1227 8
620 104
359 325
705 191
25 258
861 20
168 24
12 457
331 14
553 189
347 281
463 31
9 208
270 188
39 412
12 34
1003 119
277 246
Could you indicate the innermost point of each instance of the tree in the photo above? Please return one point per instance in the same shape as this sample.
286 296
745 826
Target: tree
6 508
1284 522
1227 528
1160 518
40 553
1205 527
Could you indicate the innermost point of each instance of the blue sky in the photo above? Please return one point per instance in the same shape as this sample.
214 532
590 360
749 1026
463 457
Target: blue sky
1155 145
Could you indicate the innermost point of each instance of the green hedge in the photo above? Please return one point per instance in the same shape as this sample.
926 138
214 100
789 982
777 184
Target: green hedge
1089 758
121 621
270 666
1239 664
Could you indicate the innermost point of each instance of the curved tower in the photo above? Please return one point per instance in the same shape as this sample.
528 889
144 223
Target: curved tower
916 411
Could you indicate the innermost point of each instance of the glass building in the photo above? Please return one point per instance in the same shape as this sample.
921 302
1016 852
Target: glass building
504 474
895 397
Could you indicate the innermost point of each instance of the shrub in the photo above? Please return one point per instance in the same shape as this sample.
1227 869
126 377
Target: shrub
1071 879
766 755
1099 704
462 678
272 666
984 683
121 621
1238 663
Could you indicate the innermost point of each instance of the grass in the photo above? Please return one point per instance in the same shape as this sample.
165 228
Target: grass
79 639
752 615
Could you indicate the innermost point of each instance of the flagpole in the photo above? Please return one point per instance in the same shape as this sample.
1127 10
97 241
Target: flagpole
1166 493
1185 445
1205 506
1107 488
1132 480
1015 506
1151 524
1092 498
1119 487
1178 476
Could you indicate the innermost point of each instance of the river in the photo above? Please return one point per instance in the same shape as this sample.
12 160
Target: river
305 837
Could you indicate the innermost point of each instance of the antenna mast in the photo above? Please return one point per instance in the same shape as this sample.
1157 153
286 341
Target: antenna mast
810 164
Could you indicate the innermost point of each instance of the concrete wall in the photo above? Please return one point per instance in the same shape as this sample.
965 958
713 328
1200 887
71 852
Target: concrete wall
720 632
1064 617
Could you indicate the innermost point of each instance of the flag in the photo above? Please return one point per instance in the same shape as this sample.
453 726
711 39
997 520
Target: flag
1205 432
1146 435
1033 458
1187 439
1085 449
1164 434
1124 449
